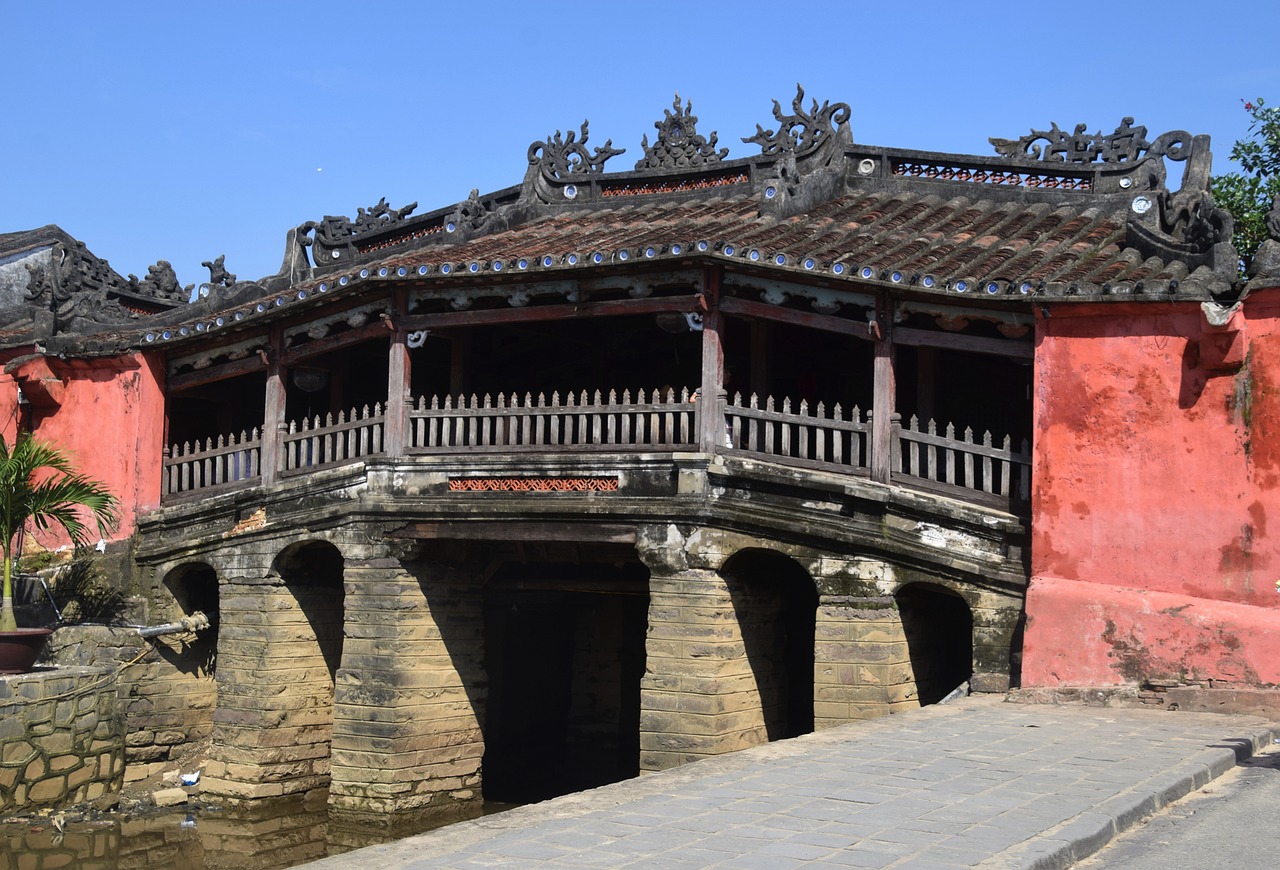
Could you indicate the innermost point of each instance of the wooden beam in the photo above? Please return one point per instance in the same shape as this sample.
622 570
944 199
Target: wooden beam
483 530
778 314
491 316
200 377
1008 347
377 329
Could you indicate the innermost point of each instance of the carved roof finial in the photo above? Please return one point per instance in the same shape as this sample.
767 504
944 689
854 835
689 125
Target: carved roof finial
563 155
1126 145
804 133
678 144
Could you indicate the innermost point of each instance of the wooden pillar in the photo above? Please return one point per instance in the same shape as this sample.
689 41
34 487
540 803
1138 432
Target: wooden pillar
273 422
398 375
882 397
711 396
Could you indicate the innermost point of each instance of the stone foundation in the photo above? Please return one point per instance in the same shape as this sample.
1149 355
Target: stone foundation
166 698
61 737
388 665
274 720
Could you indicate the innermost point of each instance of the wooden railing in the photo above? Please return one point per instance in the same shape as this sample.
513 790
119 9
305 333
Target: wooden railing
819 438
799 437
218 462
579 422
943 461
314 444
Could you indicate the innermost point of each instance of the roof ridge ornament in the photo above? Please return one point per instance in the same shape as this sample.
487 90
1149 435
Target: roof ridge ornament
1127 144
556 163
218 275
1266 262
161 282
334 233
805 133
678 144
469 216
561 156
75 285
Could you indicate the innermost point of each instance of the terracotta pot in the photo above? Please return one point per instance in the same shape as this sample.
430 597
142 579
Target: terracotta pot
19 649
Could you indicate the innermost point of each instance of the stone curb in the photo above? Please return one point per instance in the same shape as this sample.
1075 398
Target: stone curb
1072 841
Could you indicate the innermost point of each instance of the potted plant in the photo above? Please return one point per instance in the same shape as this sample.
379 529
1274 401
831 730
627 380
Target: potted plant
38 484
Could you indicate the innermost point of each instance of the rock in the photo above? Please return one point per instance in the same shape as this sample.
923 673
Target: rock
169 797
1266 262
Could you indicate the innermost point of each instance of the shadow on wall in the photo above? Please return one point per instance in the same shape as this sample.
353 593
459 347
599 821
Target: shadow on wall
312 572
776 603
938 626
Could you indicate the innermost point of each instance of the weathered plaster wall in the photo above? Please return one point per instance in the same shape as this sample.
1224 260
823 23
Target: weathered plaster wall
107 413
1157 462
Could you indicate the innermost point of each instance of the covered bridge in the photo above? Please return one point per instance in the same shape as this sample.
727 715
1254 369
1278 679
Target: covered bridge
609 471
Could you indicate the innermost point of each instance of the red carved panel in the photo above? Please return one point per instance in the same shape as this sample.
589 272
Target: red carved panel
533 484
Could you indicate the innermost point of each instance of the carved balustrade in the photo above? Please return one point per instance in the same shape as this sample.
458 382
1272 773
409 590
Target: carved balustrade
222 462
313 444
820 438
576 422
942 461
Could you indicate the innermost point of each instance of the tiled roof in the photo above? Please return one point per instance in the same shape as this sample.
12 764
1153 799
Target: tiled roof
914 234
1055 217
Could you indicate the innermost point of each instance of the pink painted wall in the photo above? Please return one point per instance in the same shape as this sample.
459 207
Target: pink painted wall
1155 511
107 413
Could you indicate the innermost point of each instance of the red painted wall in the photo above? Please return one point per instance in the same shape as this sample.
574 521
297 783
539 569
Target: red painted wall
107 413
1155 512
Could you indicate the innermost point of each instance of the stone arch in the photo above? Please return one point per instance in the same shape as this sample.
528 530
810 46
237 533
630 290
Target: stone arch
192 587
775 603
282 624
938 624
312 573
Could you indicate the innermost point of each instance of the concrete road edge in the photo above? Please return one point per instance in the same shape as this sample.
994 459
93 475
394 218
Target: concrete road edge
1077 838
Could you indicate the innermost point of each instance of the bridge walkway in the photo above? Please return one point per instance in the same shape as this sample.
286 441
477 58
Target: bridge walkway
980 782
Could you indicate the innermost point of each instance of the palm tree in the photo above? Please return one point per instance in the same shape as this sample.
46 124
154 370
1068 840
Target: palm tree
37 483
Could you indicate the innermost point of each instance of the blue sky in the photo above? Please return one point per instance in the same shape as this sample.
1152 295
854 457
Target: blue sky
161 130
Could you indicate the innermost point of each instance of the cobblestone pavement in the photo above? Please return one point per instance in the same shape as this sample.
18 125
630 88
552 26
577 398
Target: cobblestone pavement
978 783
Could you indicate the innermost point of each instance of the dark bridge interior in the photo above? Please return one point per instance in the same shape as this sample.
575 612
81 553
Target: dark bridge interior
939 629
564 651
